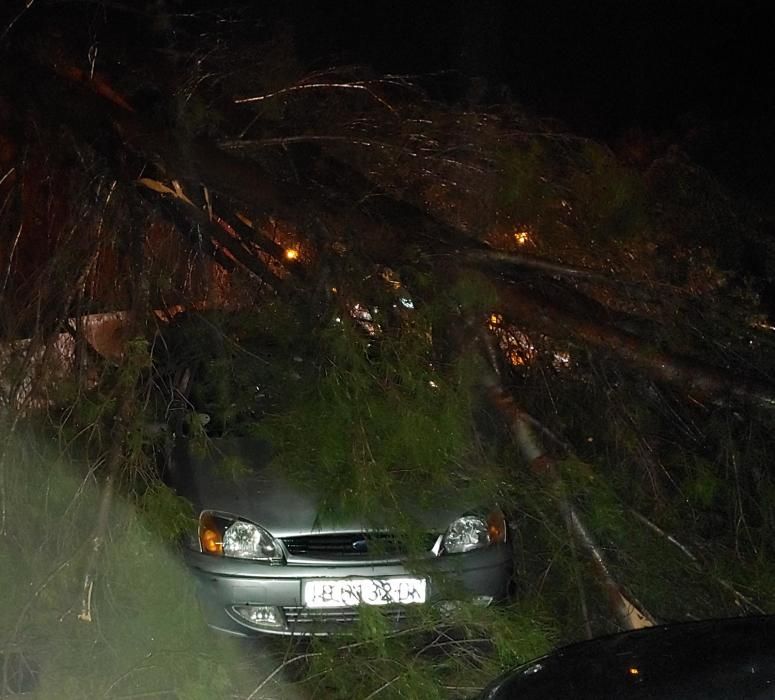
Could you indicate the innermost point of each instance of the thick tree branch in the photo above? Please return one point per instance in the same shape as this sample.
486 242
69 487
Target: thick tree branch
224 243
629 613
521 305
199 161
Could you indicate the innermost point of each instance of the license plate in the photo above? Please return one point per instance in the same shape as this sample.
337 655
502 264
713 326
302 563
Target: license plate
349 592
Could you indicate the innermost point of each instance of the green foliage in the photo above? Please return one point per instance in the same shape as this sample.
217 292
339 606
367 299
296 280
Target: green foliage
474 293
165 514
233 468
696 207
700 476
380 426
239 365
527 183
609 199
702 485
82 417
435 652
574 191
147 637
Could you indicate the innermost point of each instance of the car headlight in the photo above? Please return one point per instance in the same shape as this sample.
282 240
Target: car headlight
474 532
228 536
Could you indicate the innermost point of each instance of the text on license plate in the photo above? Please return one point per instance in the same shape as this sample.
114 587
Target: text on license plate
349 592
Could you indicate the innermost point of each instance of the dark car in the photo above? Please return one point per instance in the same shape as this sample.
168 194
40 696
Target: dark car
265 561
731 659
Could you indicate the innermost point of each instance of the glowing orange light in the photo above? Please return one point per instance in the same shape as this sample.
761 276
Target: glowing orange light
522 237
211 541
291 254
496 527
634 671
516 346
516 359
210 537
495 319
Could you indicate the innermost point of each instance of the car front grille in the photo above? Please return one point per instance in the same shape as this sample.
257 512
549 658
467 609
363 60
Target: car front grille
300 617
352 545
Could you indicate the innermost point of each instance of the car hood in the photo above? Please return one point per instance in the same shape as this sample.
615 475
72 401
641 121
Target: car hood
239 477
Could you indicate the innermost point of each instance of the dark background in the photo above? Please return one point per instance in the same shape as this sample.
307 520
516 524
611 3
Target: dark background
700 74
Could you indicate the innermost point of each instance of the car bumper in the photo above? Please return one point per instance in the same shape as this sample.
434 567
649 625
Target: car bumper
483 575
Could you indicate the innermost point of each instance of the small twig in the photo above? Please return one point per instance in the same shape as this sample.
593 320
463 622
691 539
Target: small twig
283 665
317 86
137 667
4 447
27 5
466 688
579 583
739 597
384 686
237 144
40 589
86 608
7 175
11 255
658 530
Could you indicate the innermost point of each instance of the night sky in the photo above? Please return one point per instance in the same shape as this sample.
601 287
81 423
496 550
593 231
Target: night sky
700 74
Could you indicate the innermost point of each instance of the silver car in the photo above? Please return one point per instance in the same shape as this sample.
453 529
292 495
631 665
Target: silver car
265 562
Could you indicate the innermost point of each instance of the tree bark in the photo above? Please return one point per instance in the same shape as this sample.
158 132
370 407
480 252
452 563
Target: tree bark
629 613
105 507
524 307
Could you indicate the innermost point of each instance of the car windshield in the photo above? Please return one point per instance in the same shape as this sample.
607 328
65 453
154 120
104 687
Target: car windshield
352 350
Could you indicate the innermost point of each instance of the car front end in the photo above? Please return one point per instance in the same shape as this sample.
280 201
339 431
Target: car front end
314 582
265 560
